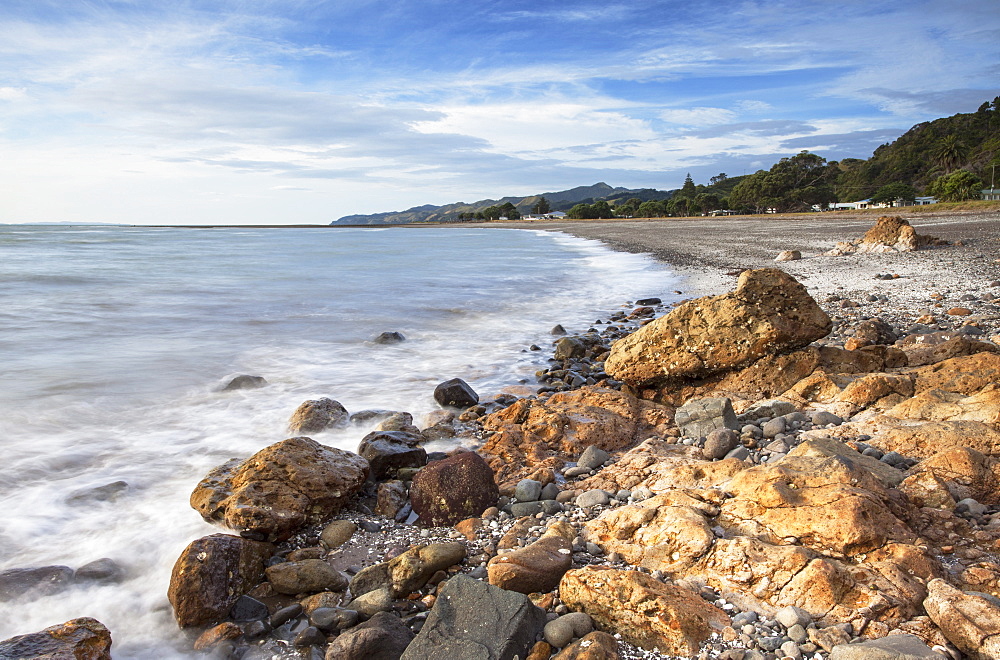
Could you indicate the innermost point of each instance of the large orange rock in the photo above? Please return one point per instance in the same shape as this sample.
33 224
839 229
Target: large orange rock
280 488
644 611
970 622
830 504
919 355
79 639
534 433
769 312
941 405
961 375
965 472
211 574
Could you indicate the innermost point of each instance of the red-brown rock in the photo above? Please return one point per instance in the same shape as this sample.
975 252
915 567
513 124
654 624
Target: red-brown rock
450 490
79 639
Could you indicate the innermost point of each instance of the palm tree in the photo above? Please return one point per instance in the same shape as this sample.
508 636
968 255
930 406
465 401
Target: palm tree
950 153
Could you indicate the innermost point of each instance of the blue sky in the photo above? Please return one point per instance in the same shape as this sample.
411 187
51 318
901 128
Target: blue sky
267 111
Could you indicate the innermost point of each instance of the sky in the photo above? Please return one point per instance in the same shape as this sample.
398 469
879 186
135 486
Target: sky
301 111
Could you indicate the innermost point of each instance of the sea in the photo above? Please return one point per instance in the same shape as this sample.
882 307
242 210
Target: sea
115 342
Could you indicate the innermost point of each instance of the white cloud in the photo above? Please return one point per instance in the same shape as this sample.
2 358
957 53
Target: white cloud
697 116
12 93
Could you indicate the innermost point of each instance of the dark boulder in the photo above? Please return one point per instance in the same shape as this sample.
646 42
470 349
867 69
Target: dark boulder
387 451
34 582
455 393
389 338
451 490
382 637
244 382
79 639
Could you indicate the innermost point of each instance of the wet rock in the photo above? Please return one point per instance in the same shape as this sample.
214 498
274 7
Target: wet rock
306 576
768 313
79 639
456 628
568 348
971 623
34 582
216 635
211 574
388 451
330 619
106 493
644 611
409 571
247 609
103 570
318 415
699 417
392 497
455 393
383 637
280 488
537 567
390 337
450 490
244 382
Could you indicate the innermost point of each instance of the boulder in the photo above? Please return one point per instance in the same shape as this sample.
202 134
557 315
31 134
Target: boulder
389 337
820 447
409 571
453 489
644 611
318 415
893 647
592 646
893 233
387 451
922 440
382 637
305 576
280 488
537 567
472 620
964 472
211 574
79 639
244 382
532 434
971 623
34 582
920 354
768 313
699 417
455 393
788 255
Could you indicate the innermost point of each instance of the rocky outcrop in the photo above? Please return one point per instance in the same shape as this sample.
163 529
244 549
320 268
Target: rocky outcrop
458 630
79 639
888 234
211 574
280 488
644 611
534 434
453 489
768 313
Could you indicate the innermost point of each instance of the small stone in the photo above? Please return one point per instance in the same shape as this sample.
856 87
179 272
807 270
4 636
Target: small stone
790 615
824 418
527 490
594 497
774 427
329 619
248 609
593 457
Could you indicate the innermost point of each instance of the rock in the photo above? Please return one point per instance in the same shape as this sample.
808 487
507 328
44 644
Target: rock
892 233
819 447
78 639
533 434
400 421
790 615
330 619
558 330
390 337
537 567
965 472
306 576
768 313
382 637
101 570
337 533
392 497
527 490
594 646
373 602
106 493
458 630
870 332
593 457
388 451
280 488
971 623
893 647
409 571
923 440
211 574
656 533
918 354
247 609
217 635
244 382
450 490
788 255
34 582
318 415
644 611
720 442
824 418
773 427
568 348
699 417
593 497
561 631
455 393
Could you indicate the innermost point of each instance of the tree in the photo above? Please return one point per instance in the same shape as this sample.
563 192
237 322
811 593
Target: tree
688 189
601 210
651 209
950 152
510 212
792 184
707 202
580 212
890 192
491 213
958 186
717 179
629 208
541 207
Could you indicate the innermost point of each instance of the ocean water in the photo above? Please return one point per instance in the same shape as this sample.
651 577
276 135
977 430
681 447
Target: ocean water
114 342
